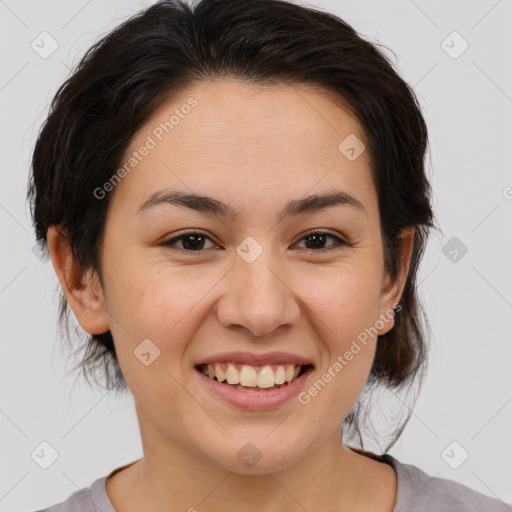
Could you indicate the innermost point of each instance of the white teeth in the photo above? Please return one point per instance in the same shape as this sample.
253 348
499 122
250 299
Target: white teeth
232 374
247 376
280 376
221 375
266 377
289 373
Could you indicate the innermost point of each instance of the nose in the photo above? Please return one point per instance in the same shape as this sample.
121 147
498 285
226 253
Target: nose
257 299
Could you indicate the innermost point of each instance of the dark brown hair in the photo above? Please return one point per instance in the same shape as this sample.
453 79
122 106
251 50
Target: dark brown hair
129 73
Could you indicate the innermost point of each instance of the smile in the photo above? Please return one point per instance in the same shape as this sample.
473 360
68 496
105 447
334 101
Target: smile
248 377
225 381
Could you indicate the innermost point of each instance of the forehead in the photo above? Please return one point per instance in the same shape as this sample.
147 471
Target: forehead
227 136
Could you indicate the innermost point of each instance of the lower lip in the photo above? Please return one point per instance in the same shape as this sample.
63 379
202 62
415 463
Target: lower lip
256 400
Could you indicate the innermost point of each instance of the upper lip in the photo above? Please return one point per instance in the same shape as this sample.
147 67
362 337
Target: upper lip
256 359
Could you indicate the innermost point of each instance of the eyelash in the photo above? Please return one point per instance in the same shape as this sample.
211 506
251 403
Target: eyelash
339 241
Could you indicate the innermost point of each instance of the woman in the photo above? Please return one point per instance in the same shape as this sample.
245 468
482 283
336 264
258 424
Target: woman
234 199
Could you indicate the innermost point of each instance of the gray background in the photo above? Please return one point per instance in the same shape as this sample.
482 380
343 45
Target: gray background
467 394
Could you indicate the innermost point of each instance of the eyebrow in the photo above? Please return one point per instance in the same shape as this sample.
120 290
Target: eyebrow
295 207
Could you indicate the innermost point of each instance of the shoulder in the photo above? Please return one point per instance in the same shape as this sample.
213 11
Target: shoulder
420 492
88 499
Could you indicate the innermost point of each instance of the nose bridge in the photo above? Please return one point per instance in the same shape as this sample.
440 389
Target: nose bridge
253 261
257 297
258 274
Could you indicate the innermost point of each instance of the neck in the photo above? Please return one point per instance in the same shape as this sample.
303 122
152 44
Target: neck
330 477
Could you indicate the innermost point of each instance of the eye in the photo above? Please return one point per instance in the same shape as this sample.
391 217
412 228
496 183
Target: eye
315 241
190 241
194 241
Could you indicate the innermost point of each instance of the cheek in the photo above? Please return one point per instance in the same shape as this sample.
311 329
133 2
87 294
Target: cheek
163 304
343 307
156 314
153 298
344 301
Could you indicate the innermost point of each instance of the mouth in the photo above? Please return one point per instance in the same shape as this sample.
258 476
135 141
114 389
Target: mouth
254 378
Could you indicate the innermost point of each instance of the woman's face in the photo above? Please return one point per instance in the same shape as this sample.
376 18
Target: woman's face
252 284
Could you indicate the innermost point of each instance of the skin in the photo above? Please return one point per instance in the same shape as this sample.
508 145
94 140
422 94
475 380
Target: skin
254 148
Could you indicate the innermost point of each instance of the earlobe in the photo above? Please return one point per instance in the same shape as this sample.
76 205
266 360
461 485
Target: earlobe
392 290
82 289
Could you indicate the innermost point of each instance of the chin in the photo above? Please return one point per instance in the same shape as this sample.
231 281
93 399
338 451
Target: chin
260 455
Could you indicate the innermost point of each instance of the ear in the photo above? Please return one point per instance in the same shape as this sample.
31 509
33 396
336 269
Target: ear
391 291
82 290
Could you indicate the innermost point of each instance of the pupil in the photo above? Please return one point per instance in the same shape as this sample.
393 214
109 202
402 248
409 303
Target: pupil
317 240
194 245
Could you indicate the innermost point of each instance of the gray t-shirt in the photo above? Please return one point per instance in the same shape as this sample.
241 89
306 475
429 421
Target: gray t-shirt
417 492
